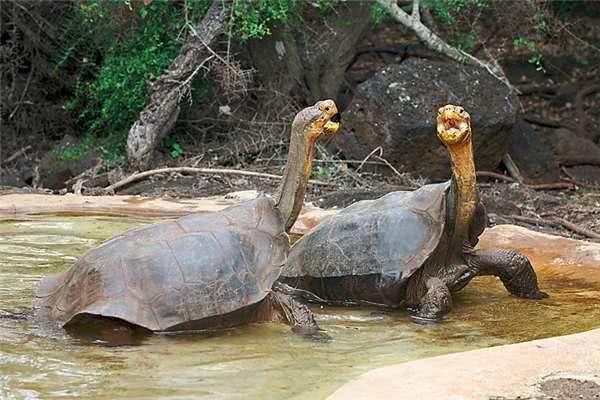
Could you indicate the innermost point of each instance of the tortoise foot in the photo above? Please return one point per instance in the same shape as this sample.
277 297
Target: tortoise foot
514 270
293 312
435 304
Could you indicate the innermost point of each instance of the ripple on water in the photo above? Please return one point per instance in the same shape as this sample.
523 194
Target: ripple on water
262 361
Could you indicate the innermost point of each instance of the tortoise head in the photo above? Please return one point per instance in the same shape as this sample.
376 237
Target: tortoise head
453 125
318 120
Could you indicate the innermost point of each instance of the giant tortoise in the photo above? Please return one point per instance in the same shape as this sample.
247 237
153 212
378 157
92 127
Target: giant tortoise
201 271
412 248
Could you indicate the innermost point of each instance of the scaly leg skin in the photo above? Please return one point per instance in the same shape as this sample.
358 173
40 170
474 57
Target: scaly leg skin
513 269
296 314
435 303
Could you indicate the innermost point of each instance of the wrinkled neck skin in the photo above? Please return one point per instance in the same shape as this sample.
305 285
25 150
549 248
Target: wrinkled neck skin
290 194
464 180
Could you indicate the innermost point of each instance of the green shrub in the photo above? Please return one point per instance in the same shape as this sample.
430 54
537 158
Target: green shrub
449 10
253 19
379 14
119 46
536 58
133 46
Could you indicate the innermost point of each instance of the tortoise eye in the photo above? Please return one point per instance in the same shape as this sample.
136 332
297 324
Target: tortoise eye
336 118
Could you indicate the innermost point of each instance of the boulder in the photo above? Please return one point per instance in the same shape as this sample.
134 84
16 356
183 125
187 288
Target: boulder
575 150
396 109
55 170
533 152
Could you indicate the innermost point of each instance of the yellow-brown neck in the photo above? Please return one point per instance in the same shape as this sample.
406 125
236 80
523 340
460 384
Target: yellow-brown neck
290 195
463 174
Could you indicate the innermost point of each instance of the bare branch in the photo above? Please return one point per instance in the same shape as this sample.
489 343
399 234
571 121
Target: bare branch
436 43
415 14
206 171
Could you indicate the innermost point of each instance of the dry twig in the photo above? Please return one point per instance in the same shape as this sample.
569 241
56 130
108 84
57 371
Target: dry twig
495 175
556 222
16 154
207 171
512 168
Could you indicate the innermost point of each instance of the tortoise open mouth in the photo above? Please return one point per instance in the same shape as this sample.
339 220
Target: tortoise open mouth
452 124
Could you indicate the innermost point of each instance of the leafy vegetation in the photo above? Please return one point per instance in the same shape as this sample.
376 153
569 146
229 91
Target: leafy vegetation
120 46
175 149
253 19
127 47
448 10
379 14
536 58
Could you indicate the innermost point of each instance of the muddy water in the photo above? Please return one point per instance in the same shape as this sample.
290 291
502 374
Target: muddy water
262 361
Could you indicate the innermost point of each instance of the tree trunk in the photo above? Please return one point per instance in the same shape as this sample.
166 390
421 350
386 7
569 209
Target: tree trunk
311 59
162 110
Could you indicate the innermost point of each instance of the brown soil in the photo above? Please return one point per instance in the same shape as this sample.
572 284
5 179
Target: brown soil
564 389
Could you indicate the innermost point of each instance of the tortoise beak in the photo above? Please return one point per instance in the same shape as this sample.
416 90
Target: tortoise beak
333 125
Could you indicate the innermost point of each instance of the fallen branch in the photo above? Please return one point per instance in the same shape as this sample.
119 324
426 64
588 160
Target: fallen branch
541 186
553 186
556 222
16 154
495 175
577 229
325 161
191 170
512 168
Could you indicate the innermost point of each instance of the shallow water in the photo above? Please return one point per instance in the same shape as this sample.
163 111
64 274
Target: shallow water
261 361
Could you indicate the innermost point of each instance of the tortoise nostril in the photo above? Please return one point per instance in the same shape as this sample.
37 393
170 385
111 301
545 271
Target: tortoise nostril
336 118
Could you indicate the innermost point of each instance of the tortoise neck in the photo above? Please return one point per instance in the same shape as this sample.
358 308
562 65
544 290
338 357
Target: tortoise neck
463 176
290 194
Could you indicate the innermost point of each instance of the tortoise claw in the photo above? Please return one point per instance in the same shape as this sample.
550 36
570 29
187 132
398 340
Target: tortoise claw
435 304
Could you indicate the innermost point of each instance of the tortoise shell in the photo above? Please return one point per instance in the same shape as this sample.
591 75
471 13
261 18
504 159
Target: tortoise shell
169 274
390 237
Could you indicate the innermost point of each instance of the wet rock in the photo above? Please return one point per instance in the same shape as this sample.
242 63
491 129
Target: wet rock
544 249
533 152
55 170
397 107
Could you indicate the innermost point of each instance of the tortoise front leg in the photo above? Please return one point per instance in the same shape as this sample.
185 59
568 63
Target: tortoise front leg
295 313
436 302
513 269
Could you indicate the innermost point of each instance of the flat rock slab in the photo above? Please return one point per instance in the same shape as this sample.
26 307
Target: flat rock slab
533 370
503 372
14 206
548 251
